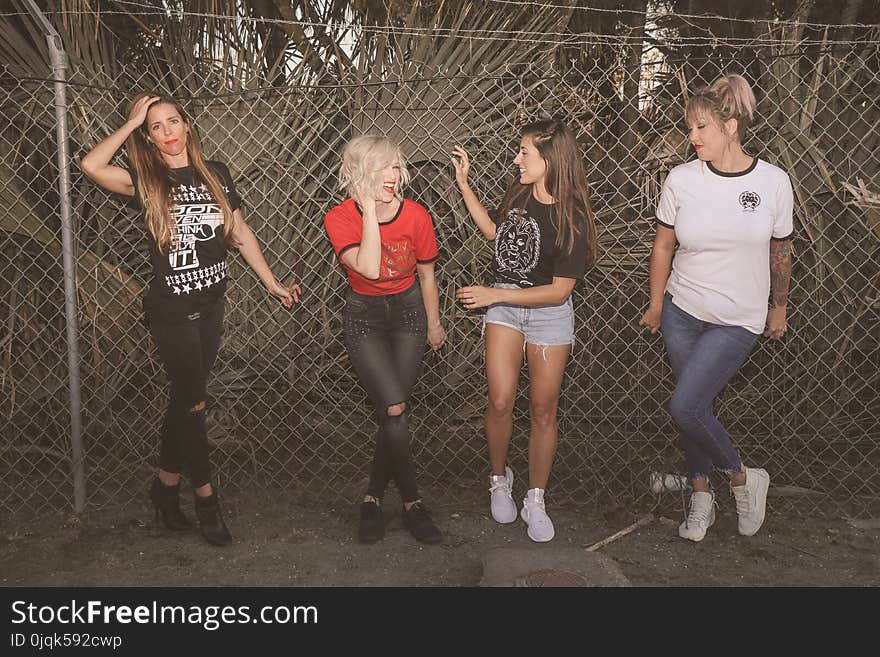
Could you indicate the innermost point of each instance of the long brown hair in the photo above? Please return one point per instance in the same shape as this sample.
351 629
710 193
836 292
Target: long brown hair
154 177
565 182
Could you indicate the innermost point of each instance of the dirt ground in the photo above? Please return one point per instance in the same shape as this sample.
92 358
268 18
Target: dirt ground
289 541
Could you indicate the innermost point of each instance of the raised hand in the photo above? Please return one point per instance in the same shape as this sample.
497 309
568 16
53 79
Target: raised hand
365 198
462 165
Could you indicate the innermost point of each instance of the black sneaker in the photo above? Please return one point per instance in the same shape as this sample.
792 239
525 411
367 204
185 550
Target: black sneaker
372 525
419 523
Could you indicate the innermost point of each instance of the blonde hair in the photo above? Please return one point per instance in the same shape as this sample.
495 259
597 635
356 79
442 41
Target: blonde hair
364 156
154 178
729 97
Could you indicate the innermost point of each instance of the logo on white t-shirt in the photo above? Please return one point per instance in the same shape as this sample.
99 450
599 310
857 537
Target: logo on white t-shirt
749 201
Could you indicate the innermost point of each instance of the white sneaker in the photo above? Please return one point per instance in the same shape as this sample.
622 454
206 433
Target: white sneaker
751 500
700 517
540 526
500 500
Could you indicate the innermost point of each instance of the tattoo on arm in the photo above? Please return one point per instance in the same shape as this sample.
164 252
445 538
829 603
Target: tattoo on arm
780 270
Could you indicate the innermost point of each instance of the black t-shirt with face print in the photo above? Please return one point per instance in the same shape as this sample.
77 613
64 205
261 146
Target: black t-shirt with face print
191 276
525 248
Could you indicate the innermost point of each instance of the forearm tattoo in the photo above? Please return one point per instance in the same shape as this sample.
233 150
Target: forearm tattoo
780 271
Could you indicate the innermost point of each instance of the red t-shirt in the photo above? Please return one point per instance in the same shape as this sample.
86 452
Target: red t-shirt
407 239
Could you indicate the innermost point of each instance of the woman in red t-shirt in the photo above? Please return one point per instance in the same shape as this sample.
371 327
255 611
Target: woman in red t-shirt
384 241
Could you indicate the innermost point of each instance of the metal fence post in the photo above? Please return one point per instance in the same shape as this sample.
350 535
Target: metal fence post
59 74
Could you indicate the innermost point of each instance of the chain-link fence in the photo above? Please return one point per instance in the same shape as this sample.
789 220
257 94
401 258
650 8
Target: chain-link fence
285 409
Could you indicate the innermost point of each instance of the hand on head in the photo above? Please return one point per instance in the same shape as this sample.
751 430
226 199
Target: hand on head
138 113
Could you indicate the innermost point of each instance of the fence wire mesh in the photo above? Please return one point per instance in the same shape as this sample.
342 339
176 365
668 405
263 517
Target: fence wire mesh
285 409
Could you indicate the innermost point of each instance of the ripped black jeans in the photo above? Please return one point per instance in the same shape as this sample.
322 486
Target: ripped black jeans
385 338
187 350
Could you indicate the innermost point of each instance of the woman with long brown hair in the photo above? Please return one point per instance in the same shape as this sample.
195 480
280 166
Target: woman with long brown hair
192 213
545 237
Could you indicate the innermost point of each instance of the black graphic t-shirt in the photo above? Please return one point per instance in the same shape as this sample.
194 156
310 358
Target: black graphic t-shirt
191 277
525 248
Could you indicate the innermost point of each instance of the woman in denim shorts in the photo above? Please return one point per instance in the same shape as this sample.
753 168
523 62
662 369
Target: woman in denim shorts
387 246
545 237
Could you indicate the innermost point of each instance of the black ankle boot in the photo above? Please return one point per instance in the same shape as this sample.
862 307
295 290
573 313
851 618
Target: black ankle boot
166 501
211 520
420 524
371 527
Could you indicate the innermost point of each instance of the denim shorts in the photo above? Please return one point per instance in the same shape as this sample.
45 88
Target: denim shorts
541 325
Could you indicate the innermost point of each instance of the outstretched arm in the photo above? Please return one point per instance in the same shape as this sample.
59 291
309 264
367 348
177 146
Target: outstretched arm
252 253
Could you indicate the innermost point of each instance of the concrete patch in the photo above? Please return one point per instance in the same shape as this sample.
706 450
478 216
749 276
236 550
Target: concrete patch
549 567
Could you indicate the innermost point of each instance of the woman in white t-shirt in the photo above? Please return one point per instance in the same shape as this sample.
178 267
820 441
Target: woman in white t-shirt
731 215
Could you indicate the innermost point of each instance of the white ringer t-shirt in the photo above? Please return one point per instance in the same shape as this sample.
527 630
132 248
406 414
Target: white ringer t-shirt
723 223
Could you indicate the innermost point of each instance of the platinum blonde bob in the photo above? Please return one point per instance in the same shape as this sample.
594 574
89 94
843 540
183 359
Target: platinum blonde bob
363 157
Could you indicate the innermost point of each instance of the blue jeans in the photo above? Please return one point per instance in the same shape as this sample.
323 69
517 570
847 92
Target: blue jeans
704 357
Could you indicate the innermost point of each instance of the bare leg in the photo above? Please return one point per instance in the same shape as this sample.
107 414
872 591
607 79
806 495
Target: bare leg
546 368
504 357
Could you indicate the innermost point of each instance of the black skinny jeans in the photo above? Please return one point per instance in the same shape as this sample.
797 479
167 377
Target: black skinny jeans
187 351
385 338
